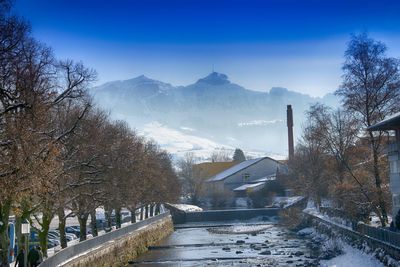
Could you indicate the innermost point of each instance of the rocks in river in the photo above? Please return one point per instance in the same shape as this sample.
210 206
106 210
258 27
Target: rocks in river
289 261
265 252
226 249
255 247
239 252
299 253
240 242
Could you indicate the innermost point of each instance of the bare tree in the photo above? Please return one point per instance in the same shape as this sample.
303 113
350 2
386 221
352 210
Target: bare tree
220 155
371 90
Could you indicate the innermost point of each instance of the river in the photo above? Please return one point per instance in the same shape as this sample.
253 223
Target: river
231 244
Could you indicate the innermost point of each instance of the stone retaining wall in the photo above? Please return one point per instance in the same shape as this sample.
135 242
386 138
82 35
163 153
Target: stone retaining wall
115 248
119 251
354 237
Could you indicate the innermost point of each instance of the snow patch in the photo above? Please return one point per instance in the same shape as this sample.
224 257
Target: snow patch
179 143
285 202
306 231
186 207
352 257
239 229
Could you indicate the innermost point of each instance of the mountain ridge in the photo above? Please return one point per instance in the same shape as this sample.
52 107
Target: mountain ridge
217 109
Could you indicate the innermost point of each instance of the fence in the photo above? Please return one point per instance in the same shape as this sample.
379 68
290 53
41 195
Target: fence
89 244
376 238
381 234
389 237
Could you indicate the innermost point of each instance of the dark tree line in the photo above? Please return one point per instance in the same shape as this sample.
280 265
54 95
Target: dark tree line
58 152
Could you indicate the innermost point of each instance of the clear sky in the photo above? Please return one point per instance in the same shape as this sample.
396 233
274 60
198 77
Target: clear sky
258 44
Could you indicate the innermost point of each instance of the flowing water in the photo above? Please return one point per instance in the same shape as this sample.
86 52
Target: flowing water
231 244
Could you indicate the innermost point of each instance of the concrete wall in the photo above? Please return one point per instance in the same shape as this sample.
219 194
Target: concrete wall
224 215
115 248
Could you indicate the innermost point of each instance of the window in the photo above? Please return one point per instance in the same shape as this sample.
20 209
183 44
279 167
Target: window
246 176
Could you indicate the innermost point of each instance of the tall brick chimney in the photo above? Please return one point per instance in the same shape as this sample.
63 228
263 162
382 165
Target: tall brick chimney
289 114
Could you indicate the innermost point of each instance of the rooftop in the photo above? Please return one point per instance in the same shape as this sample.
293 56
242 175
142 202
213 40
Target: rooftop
234 169
247 186
390 123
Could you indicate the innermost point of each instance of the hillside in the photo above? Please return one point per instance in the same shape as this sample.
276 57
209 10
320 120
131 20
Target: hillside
212 112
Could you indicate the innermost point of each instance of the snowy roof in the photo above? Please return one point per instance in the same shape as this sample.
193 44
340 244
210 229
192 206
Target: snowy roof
391 123
234 169
266 178
247 186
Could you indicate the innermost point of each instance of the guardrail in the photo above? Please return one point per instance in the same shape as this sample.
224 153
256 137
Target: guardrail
390 237
374 237
384 235
84 246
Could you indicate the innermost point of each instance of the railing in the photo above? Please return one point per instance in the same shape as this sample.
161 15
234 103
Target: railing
362 231
389 237
81 247
384 235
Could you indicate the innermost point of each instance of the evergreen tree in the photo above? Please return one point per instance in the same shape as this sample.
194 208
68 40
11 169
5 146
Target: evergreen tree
238 155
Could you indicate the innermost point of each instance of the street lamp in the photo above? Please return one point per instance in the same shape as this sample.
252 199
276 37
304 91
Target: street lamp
25 230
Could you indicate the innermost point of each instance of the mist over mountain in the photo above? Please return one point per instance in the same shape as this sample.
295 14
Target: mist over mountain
213 112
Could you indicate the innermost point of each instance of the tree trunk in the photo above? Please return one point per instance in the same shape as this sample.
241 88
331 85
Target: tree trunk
141 213
146 213
46 220
93 223
4 239
118 217
107 215
133 215
378 181
61 226
158 208
151 210
82 218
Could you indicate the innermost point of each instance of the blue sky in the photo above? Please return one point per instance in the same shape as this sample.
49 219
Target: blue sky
258 44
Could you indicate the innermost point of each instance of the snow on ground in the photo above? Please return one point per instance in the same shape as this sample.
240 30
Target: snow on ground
352 257
335 220
375 222
187 207
179 142
284 202
240 229
306 231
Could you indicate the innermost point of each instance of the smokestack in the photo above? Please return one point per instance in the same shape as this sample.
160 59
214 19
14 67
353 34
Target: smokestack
289 114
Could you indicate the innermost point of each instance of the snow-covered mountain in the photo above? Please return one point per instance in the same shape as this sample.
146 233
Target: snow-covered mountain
212 112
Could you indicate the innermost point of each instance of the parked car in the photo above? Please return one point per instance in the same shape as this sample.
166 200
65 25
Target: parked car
56 235
73 230
52 243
